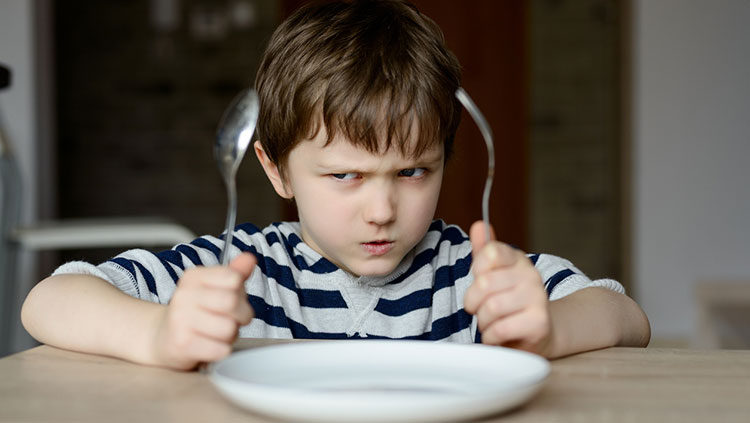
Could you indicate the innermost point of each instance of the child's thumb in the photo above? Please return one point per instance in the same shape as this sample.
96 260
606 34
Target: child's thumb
478 236
243 263
498 255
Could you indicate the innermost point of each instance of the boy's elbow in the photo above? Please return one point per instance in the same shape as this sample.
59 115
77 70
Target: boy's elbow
37 305
29 307
636 329
645 330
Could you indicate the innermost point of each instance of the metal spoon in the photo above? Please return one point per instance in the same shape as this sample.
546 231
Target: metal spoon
233 136
484 128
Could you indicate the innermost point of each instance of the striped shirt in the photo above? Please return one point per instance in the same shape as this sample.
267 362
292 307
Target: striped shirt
297 293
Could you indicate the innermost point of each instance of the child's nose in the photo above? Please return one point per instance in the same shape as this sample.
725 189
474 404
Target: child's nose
380 206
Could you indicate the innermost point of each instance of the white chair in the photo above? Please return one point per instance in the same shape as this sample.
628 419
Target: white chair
59 235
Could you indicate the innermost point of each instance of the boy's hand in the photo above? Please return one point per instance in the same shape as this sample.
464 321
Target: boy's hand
203 318
507 296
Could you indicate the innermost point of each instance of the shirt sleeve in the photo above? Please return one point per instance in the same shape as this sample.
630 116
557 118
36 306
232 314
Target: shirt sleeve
150 276
562 278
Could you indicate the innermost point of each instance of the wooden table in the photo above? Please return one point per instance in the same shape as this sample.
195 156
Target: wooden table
612 385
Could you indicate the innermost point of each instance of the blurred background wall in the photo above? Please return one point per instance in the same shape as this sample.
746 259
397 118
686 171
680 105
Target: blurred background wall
626 119
140 88
691 143
21 118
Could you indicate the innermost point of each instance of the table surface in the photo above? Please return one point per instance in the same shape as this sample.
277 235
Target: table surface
610 385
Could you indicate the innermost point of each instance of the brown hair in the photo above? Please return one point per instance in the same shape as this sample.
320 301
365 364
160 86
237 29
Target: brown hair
364 67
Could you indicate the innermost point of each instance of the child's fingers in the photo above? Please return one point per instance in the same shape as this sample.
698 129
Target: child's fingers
224 302
521 328
244 265
244 313
220 301
183 347
487 284
477 235
214 326
494 255
214 277
231 277
204 349
499 306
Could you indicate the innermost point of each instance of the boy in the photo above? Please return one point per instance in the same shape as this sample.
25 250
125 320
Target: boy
357 119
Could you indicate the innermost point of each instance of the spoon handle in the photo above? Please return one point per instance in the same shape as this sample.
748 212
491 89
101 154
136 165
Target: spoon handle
231 218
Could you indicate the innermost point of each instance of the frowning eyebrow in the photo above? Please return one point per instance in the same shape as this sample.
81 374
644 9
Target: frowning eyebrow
431 160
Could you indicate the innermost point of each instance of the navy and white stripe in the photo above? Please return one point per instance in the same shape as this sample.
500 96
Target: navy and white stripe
295 292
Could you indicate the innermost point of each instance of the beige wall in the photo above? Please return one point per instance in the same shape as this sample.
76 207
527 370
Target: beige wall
691 144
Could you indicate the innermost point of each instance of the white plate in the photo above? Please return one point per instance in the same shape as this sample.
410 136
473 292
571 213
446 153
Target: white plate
369 381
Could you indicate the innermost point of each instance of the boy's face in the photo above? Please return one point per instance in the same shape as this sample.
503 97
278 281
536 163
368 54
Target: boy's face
362 211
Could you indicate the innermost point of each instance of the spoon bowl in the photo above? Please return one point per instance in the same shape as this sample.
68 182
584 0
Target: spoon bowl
233 137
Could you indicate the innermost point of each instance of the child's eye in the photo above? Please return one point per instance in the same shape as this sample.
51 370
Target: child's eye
413 172
344 176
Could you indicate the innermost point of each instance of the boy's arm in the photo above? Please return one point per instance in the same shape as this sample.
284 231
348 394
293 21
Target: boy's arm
85 313
594 318
512 308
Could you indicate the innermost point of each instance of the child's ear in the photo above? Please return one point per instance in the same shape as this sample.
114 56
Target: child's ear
272 171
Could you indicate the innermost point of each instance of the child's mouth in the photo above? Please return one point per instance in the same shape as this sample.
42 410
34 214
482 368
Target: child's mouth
377 248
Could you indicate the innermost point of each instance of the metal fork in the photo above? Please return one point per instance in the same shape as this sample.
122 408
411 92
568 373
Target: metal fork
484 128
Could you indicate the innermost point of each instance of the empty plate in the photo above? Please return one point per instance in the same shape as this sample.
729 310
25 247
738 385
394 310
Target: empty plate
376 380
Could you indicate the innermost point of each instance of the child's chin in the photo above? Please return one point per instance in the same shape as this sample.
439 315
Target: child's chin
376 269
375 274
